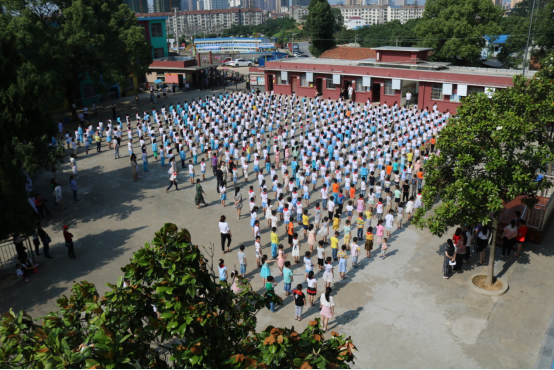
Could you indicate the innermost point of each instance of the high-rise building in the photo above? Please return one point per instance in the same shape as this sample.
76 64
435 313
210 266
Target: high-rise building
399 2
216 4
164 6
514 2
300 2
138 6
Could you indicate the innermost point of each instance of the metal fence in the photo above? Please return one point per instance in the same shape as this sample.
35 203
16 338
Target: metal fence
8 255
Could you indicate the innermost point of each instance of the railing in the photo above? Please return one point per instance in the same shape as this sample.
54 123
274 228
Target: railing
534 217
8 256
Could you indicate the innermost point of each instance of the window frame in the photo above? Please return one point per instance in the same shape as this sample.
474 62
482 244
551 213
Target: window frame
303 80
161 31
434 88
388 87
327 79
158 49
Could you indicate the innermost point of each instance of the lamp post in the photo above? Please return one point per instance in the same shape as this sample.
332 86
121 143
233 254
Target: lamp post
292 47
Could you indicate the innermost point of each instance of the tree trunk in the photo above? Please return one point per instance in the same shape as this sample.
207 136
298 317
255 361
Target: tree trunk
69 97
490 273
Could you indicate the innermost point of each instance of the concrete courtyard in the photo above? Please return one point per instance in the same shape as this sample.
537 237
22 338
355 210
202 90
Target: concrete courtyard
400 311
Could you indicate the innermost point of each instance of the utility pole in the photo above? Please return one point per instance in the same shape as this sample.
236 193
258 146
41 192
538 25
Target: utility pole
528 37
397 42
176 32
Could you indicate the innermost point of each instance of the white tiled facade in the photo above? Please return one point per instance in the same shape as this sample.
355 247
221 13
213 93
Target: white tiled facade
378 14
211 20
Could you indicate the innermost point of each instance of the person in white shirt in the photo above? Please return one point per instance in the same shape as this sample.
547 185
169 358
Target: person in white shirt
225 234
389 220
327 307
408 98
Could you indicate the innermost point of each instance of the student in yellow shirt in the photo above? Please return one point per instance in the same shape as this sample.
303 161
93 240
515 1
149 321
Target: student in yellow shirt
274 242
335 245
369 242
305 222
368 216
336 222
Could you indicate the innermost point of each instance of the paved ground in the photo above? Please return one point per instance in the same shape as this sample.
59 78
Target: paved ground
400 312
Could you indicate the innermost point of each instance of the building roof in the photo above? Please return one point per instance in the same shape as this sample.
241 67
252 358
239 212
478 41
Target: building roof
498 40
243 39
354 18
348 53
400 48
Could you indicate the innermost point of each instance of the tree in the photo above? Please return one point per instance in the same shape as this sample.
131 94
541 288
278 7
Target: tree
26 132
455 29
75 40
489 155
517 27
390 33
339 19
321 23
199 323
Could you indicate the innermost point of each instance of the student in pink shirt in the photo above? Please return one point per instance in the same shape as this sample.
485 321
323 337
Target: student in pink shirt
379 234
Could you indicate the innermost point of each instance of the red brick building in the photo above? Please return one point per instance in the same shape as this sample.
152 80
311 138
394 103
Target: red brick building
384 78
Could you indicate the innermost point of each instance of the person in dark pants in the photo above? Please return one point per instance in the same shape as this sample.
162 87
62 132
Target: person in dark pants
219 176
114 113
225 234
69 242
45 239
36 243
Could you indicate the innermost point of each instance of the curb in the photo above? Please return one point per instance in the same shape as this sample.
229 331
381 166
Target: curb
545 360
492 293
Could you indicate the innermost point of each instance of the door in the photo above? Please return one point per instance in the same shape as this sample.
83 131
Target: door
319 86
293 83
269 79
376 93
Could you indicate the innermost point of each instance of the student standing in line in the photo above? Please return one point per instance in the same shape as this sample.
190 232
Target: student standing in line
299 302
327 307
68 237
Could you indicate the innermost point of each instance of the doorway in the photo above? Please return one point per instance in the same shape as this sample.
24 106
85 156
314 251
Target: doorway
293 83
376 93
270 83
319 86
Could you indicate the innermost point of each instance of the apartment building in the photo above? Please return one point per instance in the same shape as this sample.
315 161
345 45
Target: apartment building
378 14
216 20
298 13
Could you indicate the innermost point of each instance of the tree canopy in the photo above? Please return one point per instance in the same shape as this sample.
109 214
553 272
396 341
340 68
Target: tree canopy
72 40
320 23
26 132
199 323
517 27
490 153
455 29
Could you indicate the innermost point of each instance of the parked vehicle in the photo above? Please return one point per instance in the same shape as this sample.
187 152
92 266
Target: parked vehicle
225 62
240 63
294 48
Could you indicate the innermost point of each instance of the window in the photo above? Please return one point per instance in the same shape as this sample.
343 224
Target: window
360 84
330 84
436 92
388 88
454 98
303 81
156 30
475 89
158 53
278 79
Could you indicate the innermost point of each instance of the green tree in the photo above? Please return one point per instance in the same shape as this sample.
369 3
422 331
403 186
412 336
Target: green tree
490 153
321 23
517 27
199 323
26 132
75 40
456 28
339 19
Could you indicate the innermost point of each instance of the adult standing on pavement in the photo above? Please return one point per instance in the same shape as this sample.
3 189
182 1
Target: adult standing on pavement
509 238
73 186
199 198
449 256
408 98
225 234
238 201
482 241
327 307
45 239
58 196
134 167
69 242
521 233
219 177
116 143
214 165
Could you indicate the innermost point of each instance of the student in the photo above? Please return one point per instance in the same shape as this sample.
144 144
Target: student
265 272
223 194
342 262
335 245
299 302
355 252
384 248
281 259
360 224
389 222
203 169
336 221
270 290
329 272
312 287
242 260
320 255
274 242
346 230
258 247
380 232
308 264
287 278
295 248
305 222
369 242
191 172
222 271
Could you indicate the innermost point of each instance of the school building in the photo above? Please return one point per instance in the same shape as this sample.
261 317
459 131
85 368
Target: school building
384 78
